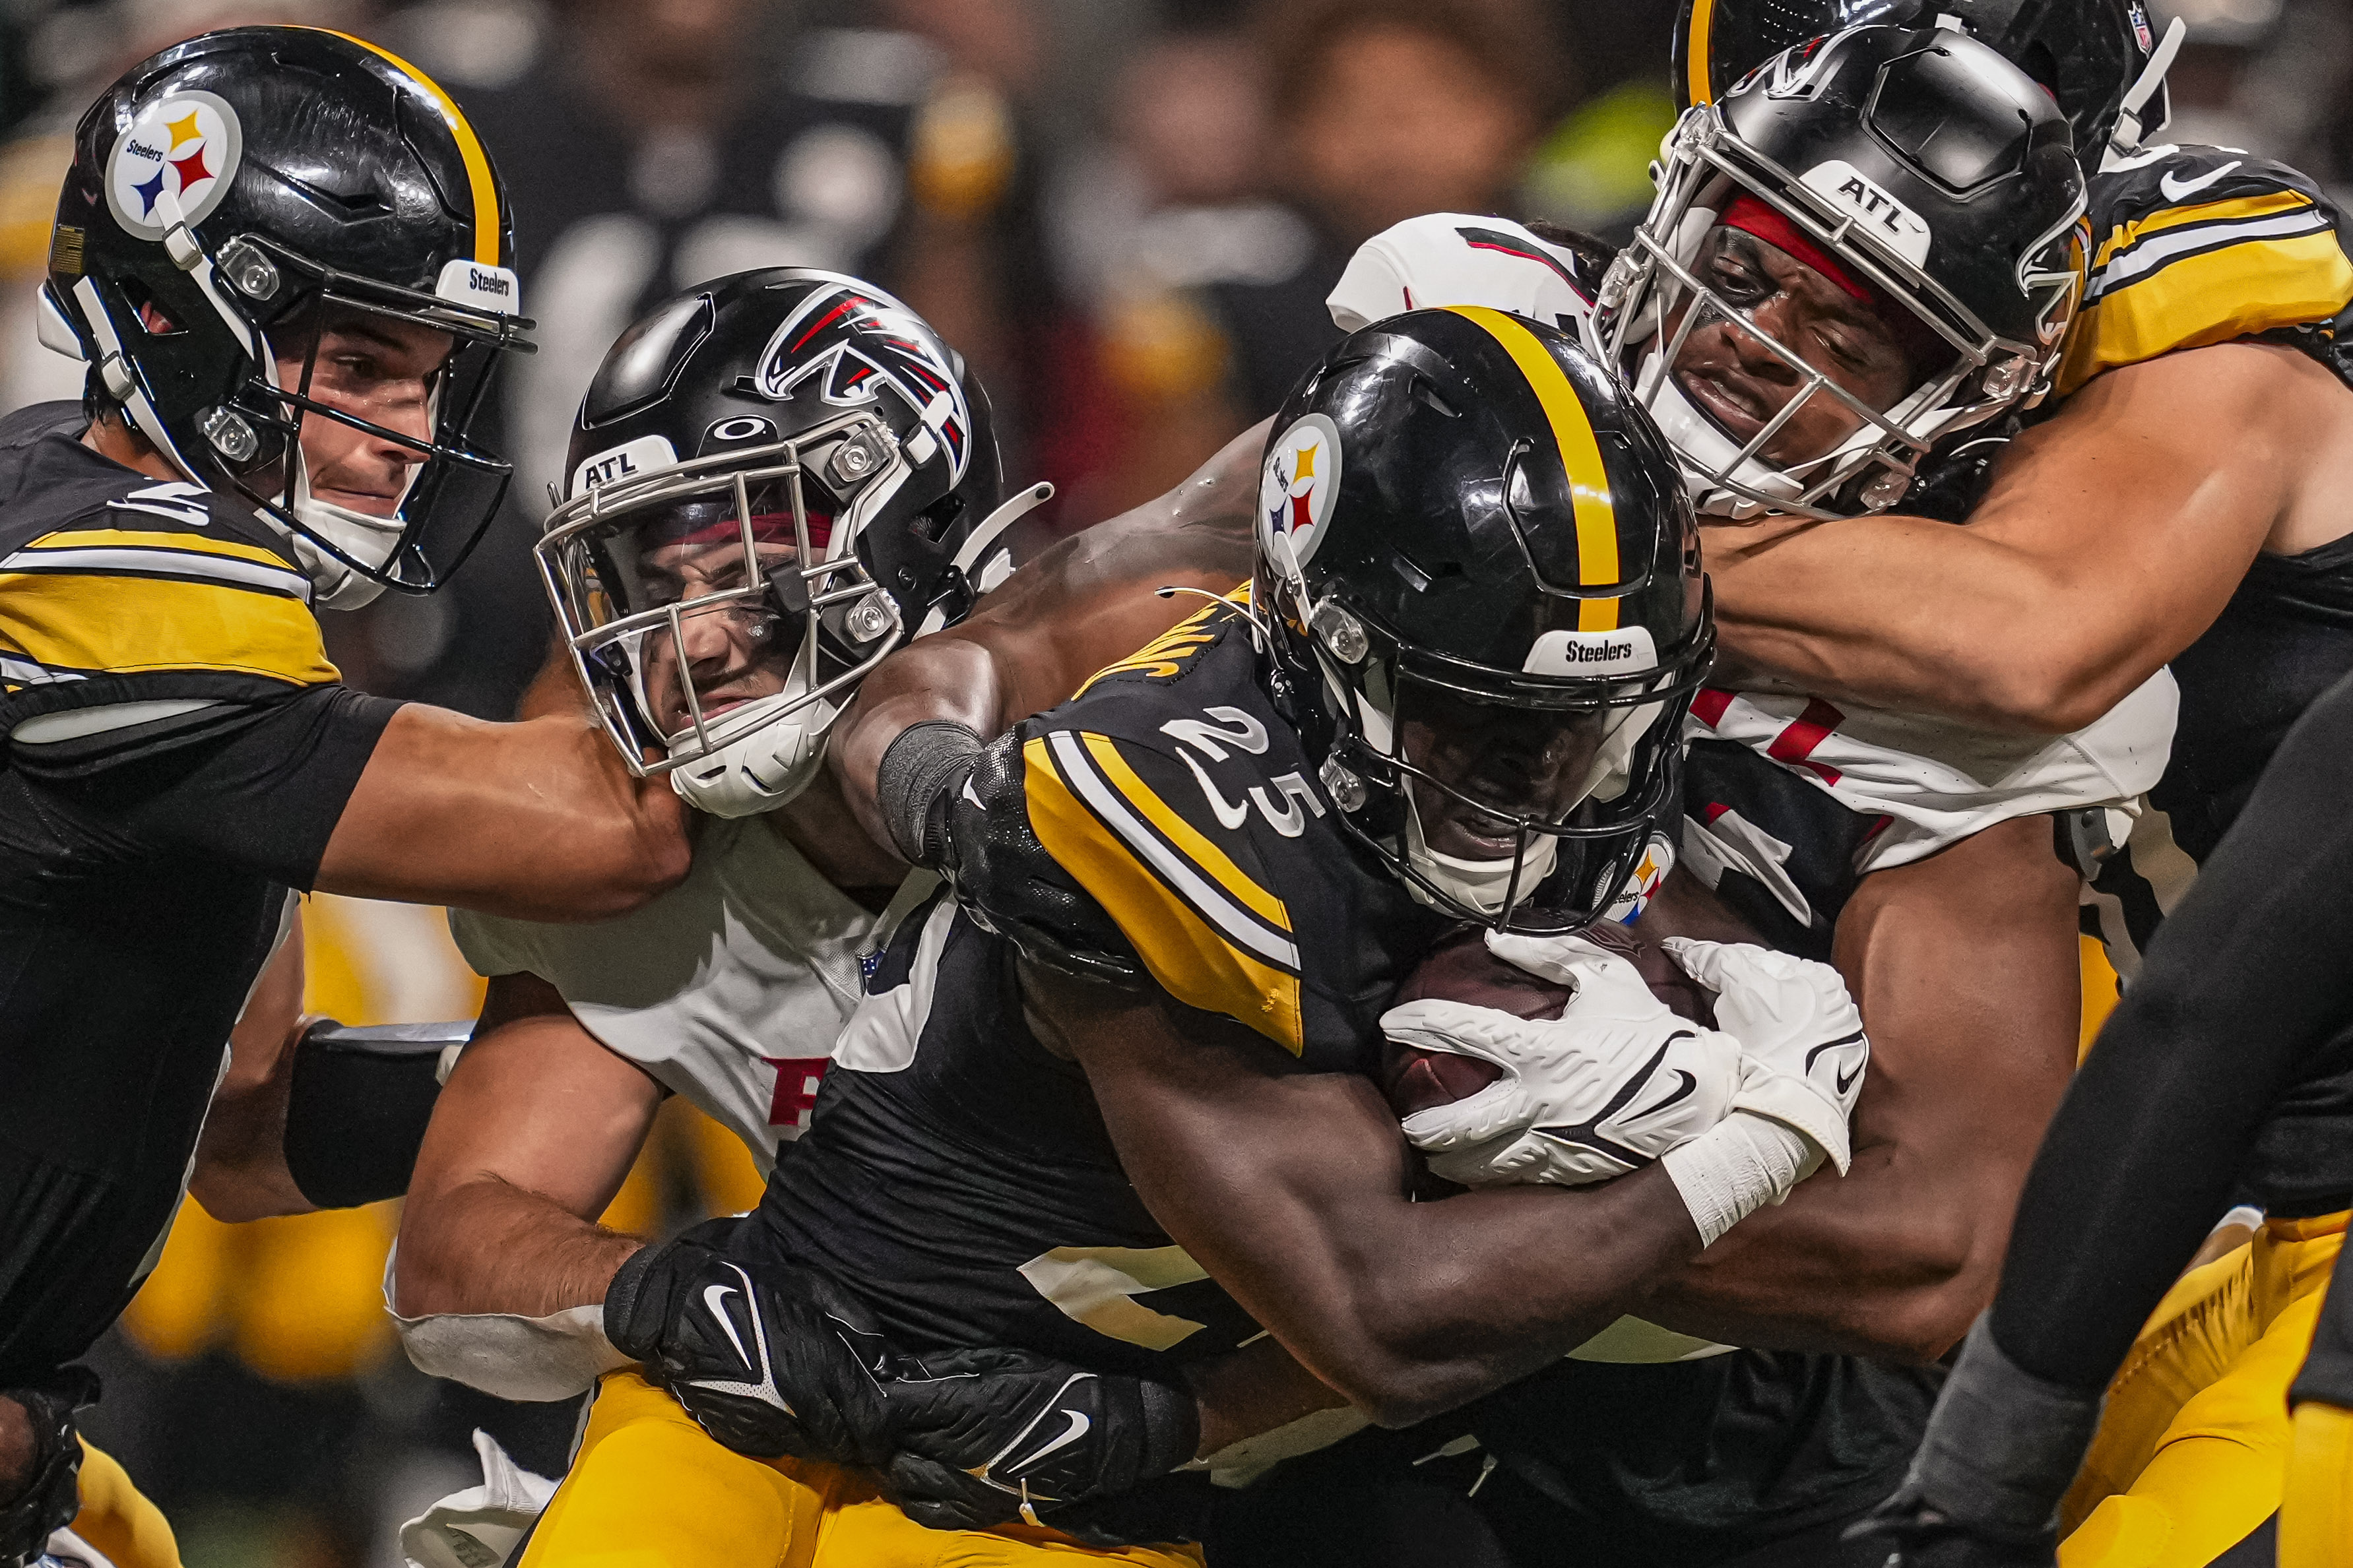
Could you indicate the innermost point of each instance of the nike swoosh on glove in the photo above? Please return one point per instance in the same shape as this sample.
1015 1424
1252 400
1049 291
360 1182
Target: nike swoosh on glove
1802 1049
769 1360
986 1436
1611 1085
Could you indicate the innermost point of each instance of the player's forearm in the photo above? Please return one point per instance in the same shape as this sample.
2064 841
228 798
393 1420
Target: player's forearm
1890 1261
539 820
241 1172
1926 617
487 1246
947 677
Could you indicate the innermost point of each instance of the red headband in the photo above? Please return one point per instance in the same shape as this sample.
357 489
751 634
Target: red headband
767 528
1751 216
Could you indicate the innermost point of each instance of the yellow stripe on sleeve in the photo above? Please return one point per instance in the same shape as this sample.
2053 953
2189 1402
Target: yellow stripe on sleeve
1588 478
2236 292
1190 958
1184 835
1703 23
132 625
469 147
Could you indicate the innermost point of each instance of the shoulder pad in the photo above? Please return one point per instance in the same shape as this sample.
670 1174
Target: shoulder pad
2194 245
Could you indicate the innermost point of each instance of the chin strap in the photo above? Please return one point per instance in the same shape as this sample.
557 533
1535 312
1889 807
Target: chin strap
2127 138
1013 510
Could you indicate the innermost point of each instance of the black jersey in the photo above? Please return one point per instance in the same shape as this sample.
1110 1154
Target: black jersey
957 1174
178 752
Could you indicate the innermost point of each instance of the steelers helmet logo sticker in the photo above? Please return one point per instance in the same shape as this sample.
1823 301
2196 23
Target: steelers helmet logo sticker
1300 484
182 144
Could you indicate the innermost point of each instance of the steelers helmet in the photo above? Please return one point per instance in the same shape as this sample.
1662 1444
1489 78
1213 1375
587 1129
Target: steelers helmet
1481 585
2097 57
222 196
1917 172
775 478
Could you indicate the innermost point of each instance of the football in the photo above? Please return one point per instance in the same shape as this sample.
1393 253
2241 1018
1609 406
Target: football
1460 969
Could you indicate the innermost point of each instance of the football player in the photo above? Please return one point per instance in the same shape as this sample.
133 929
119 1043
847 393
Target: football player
2180 504
2229 1055
284 255
857 447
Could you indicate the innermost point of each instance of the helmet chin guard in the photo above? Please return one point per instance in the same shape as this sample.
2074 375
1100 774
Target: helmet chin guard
1979 246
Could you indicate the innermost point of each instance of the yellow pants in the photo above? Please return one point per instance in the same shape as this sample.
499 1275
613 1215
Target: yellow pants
649 1487
2192 1451
117 1519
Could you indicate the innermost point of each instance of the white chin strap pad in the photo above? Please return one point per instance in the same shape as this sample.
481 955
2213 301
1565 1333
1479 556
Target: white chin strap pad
761 770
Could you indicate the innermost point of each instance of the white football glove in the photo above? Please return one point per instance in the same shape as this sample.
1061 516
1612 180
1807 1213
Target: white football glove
1802 1048
1613 1083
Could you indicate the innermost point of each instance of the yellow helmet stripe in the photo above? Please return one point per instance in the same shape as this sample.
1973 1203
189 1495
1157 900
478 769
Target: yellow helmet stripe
1702 20
1572 432
484 185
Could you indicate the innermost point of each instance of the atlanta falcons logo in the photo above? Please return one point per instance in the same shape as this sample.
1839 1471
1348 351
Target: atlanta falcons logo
854 341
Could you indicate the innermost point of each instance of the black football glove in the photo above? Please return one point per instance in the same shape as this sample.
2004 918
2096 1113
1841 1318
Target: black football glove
48 1497
770 1359
988 1436
1006 879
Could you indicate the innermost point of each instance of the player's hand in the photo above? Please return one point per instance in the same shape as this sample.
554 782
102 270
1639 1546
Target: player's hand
1802 1048
1009 882
768 1360
40 1494
1614 1082
986 1436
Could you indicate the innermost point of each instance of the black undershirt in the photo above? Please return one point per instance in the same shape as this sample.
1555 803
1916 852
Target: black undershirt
137 905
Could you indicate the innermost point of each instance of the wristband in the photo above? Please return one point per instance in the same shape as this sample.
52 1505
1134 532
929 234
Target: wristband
1734 1168
356 1111
920 766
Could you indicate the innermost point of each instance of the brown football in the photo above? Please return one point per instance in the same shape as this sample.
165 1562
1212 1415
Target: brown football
1460 969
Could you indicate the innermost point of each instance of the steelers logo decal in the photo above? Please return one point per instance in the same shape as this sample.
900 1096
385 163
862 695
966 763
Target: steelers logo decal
184 144
1300 484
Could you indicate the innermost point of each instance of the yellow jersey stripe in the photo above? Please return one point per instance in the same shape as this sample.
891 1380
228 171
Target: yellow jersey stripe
1588 478
2214 298
131 626
1188 839
1703 23
2263 205
139 539
469 147
1192 960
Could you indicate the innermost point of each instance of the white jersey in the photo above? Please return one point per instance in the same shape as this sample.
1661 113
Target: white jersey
729 989
1932 783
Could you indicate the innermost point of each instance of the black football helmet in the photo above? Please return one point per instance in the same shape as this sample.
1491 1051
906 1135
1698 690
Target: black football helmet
1935 178
775 478
1480 577
221 194
2097 57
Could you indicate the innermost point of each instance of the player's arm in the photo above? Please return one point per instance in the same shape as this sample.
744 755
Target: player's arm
241 1172
539 820
2113 536
532 1137
1290 1188
1084 603
1965 968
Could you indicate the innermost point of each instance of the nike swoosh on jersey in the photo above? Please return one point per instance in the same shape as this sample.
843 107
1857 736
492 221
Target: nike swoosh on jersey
2176 189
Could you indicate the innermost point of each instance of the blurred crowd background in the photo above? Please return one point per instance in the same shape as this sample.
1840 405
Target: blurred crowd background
1125 212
